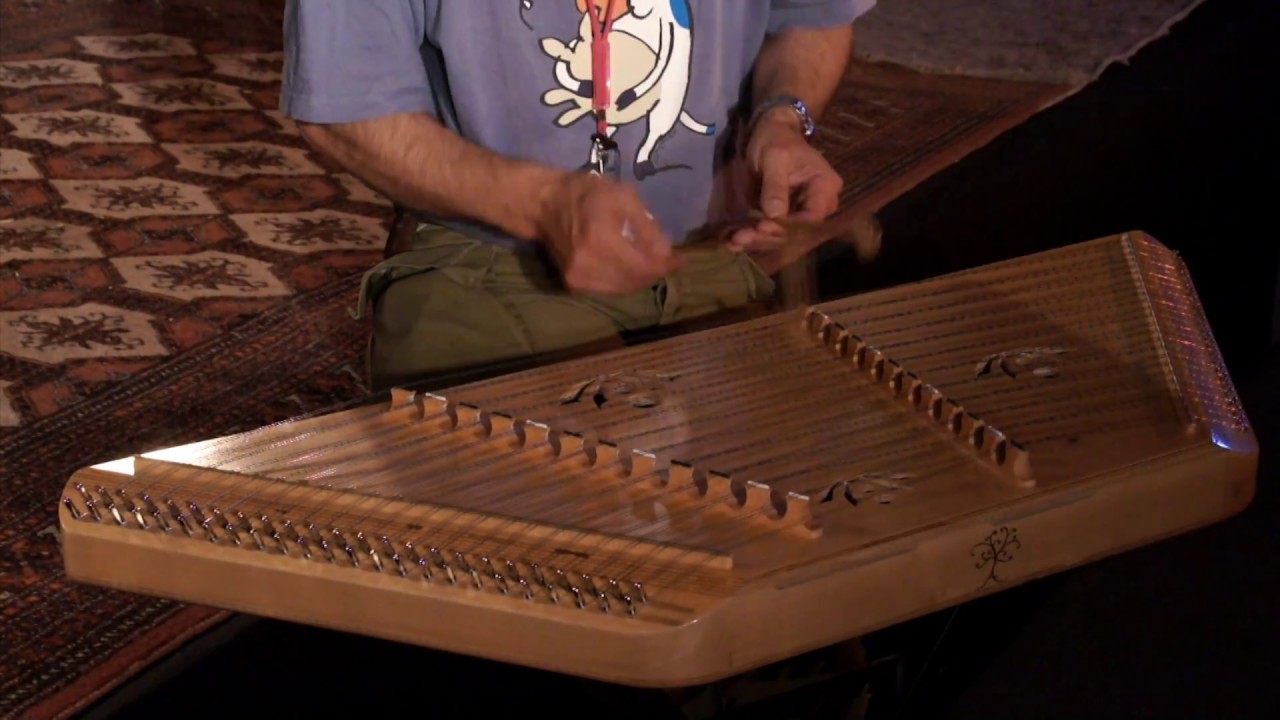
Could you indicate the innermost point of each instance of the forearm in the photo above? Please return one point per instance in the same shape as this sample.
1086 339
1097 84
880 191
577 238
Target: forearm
420 164
807 64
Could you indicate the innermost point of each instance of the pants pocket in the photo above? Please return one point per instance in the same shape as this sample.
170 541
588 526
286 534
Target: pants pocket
436 250
712 281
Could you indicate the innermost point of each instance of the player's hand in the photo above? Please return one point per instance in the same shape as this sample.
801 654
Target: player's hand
796 183
602 237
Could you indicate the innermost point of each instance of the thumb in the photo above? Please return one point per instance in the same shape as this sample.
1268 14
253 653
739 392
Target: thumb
775 191
649 247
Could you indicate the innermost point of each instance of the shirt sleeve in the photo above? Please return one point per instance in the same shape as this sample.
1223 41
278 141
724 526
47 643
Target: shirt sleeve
349 60
793 14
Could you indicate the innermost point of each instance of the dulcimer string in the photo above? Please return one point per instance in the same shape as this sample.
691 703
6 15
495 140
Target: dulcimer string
372 403
491 501
475 473
296 459
254 450
215 500
608 417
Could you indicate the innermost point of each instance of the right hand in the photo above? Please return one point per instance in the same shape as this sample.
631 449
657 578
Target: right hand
583 223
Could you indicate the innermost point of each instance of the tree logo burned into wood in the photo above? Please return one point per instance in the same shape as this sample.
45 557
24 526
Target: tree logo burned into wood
1041 362
886 484
640 389
994 550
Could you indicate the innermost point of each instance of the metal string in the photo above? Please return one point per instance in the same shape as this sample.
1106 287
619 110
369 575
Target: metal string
918 297
946 298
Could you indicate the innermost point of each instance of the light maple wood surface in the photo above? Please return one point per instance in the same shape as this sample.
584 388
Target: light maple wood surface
678 512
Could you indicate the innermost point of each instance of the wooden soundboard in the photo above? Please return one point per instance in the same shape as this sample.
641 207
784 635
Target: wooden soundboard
678 512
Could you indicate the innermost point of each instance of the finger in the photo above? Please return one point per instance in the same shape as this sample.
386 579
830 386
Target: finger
743 235
645 237
764 235
752 239
739 239
775 190
820 198
770 227
602 264
638 253
743 239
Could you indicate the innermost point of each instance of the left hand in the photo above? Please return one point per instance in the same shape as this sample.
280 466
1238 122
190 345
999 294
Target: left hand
796 183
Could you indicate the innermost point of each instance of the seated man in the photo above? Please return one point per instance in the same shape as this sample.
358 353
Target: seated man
483 117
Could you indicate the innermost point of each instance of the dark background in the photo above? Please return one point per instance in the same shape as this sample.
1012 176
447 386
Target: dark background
1181 144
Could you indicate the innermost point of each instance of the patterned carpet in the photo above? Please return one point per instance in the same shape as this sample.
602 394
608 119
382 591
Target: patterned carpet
175 265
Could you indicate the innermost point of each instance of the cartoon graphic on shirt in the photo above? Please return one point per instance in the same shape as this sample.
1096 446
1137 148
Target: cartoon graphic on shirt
651 51
525 6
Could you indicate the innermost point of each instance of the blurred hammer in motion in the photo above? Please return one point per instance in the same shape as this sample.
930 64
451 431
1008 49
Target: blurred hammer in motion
793 261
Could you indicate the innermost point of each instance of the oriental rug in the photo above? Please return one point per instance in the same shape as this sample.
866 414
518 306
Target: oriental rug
175 264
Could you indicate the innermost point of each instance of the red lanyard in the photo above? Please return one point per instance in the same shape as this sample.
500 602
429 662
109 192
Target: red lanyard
600 29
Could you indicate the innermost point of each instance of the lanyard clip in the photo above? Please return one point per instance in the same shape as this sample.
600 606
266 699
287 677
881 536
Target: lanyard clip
606 161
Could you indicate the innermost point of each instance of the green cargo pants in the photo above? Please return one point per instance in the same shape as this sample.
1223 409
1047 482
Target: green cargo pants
451 305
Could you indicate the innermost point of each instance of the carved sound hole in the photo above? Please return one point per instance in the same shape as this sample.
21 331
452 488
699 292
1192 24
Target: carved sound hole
640 389
1041 362
884 488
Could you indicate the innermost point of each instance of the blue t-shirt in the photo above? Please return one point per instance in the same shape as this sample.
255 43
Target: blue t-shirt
514 76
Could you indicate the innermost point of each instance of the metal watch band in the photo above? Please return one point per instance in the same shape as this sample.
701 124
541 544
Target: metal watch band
806 120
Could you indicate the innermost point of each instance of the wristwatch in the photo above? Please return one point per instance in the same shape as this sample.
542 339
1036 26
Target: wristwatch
796 104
